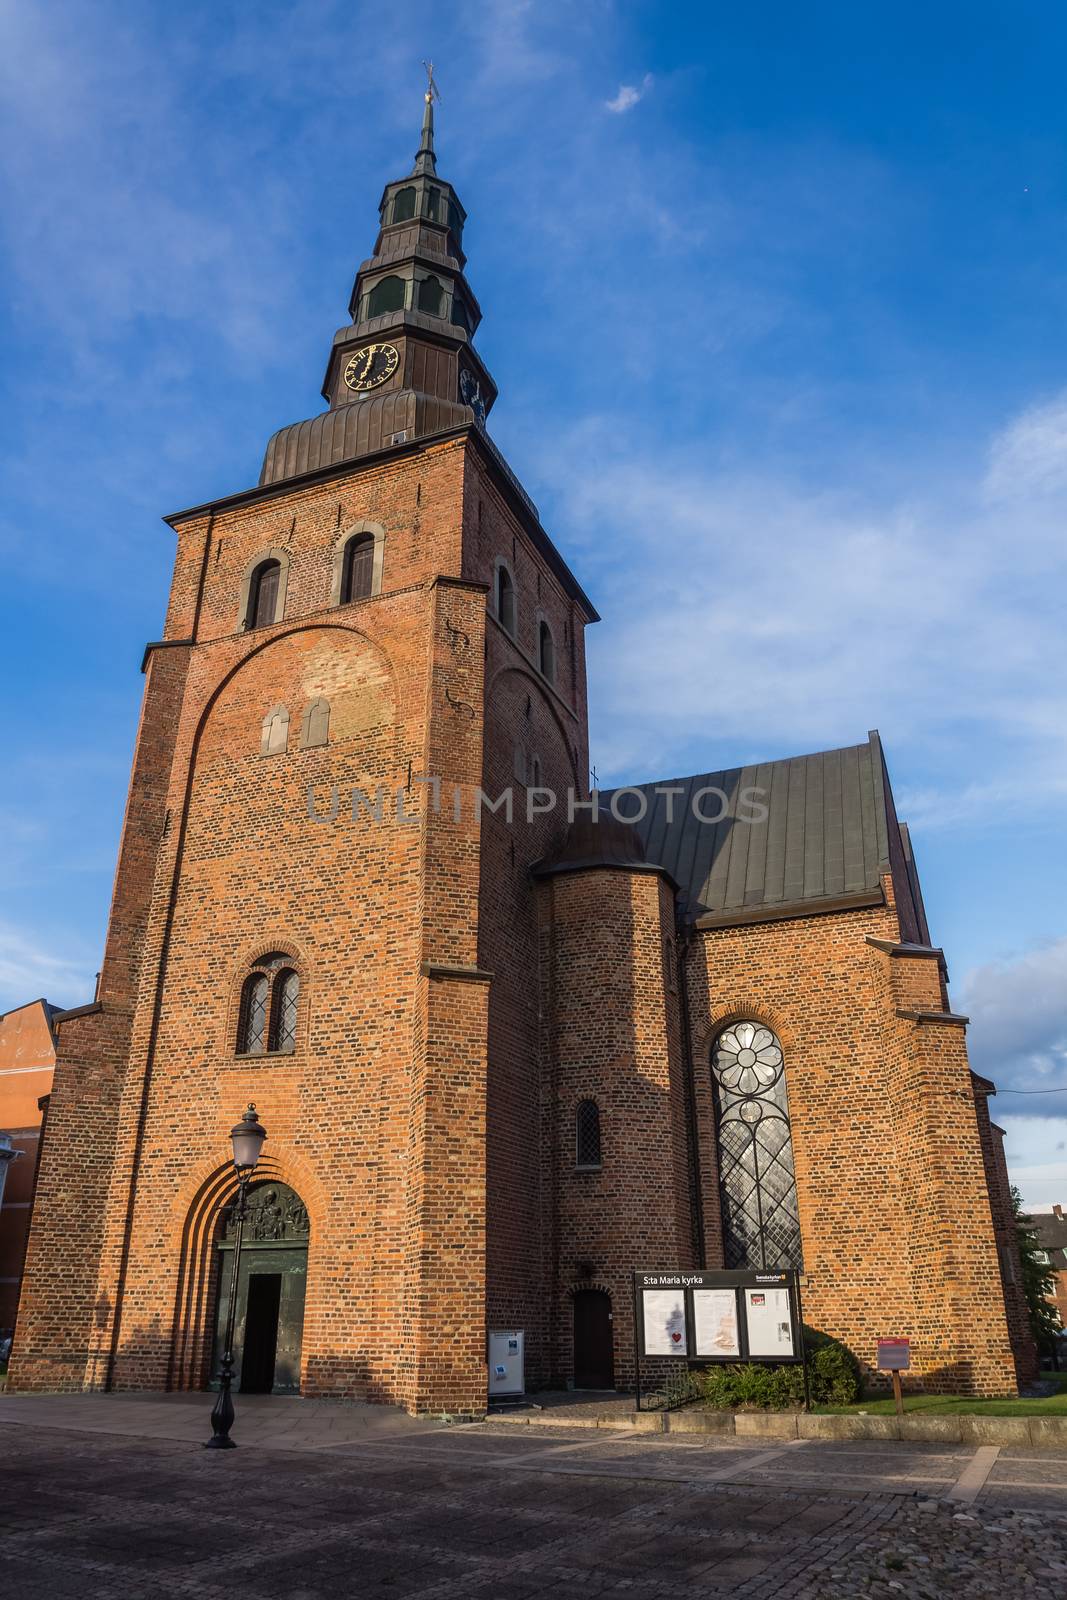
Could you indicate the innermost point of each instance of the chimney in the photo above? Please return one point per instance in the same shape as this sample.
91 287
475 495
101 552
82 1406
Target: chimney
1057 1212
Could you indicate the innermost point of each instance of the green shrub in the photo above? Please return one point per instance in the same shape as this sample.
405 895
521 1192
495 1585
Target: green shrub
833 1379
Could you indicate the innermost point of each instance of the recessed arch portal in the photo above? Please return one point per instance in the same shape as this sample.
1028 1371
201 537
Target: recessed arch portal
271 1288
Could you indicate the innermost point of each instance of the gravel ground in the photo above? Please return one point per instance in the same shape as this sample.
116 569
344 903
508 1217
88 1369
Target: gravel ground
929 1550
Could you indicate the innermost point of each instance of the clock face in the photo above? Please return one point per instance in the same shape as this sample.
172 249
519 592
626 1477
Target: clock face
470 392
371 366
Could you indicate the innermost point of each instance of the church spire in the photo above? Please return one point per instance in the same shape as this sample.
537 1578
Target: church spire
425 160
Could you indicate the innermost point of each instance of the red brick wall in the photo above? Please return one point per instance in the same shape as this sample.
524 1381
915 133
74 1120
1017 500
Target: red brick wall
613 1037
27 1061
885 1139
1027 1363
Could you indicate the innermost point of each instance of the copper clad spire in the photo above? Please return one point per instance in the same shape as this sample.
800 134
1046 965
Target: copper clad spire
425 160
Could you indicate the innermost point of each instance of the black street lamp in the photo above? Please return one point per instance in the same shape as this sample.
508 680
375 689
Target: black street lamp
248 1137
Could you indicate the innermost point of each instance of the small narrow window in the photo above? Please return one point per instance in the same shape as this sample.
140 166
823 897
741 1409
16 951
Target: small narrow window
404 205
252 1024
505 600
587 1135
671 964
315 727
263 594
535 772
274 739
286 993
388 295
357 574
546 649
431 296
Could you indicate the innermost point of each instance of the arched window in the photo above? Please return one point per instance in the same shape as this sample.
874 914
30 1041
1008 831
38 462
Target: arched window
357 572
761 1224
403 205
546 652
252 1024
263 594
433 204
315 726
284 996
459 314
387 295
587 1135
505 600
431 296
274 740
266 1022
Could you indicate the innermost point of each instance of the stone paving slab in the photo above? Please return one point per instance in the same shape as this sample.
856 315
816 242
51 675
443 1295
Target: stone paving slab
262 1420
469 1513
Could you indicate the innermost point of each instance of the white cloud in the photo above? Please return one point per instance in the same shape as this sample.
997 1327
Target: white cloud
760 611
1030 456
629 94
1018 1034
27 972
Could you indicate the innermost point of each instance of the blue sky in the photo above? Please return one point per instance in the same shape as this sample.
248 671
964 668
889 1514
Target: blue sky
776 300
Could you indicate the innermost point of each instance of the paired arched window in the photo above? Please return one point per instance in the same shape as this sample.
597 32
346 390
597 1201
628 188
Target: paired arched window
263 594
546 651
431 297
266 1023
357 571
587 1135
505 599
387 295
757 1184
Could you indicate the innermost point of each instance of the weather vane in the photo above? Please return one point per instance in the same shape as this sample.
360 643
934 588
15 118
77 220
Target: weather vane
432 91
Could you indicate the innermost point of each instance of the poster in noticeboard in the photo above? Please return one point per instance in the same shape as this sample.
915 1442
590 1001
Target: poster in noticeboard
715 1330
664 1322
769 1323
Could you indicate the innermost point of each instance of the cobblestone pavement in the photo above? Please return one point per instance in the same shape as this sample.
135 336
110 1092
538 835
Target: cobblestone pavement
494 1512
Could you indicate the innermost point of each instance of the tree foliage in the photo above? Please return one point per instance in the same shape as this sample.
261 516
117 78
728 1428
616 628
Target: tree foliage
1038 1278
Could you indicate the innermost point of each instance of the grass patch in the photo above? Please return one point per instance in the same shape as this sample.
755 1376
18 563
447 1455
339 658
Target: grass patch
954 1405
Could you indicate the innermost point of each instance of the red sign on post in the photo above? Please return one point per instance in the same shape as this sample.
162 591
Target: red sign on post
894 1355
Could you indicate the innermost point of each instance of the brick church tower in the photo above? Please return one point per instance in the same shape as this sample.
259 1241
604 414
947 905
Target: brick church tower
300 918
505 1052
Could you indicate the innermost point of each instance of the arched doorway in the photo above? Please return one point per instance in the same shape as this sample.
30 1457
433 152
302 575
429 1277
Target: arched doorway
594 1353
270 1291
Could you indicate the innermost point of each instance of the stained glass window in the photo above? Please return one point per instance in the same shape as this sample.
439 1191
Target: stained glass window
757 1184
283 1012
252 1027
587 1134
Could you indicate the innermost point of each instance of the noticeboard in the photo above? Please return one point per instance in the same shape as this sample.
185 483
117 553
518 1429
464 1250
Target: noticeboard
713 1316
894 1355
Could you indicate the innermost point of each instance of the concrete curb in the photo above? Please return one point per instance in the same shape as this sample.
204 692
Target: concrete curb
1049 1433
